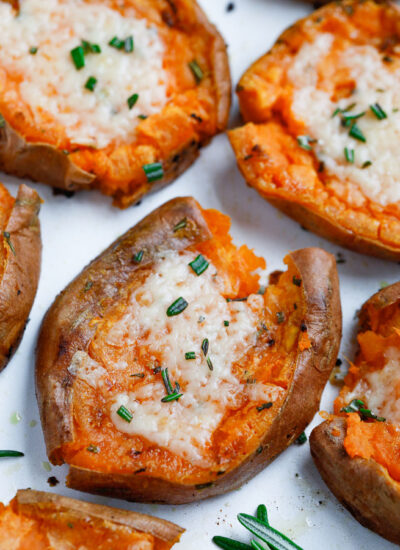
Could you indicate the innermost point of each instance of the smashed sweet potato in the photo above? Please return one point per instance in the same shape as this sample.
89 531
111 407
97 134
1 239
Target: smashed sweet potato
321 110
358 450
86 107
164 373
46 521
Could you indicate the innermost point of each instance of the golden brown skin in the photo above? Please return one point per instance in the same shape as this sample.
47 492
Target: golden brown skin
48 164
67 327
363 486
21 272
42 504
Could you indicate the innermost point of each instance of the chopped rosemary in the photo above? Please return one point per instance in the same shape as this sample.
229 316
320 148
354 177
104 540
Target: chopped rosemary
226 323
199 264
137 258
88 47
142 117
378 111
33 50
349 154
154 171
180 225
172 394
196 70
301 439
264 406
204 346
366 164
357 405
78 57
2 121
190 355
91 83
356 133
132 100
177 307
5 454
209 364
115 42
138 375
129 44
7 237
93 449
125 414
304 142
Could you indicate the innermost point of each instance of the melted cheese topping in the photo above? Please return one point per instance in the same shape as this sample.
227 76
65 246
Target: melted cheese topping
381 388
185 426
375 83
51 83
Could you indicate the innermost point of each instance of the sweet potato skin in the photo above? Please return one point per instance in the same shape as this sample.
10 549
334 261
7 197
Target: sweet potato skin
21 272
25 159
363 486
166 532
58 341
309 204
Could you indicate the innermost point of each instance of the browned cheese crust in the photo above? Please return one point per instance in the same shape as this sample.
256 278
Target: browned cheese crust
21 272
49 503
363 486
66 328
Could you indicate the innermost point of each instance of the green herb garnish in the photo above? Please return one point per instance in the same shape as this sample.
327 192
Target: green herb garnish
172 394
142 117
7 237
267 533
349 154
199 264
356 133
5 454
91 83
226 323
115 42
78 57
132 100
125 414
154 171
129 45
196 70
296 280
378 111
88 286
2 121
177 307
33 50
138 375
88 47
304 142
180 225
93 449
366 164
357 405
137 258
204 346
280 316
190 355
301 439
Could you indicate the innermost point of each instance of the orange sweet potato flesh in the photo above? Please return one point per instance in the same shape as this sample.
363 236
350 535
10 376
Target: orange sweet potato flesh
266 147
194 113
36 520
20 256
302 313
358 459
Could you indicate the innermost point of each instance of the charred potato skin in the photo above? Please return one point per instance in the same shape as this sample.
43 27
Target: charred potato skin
308 214
21 273
72 509
363 486
47 164
318 271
